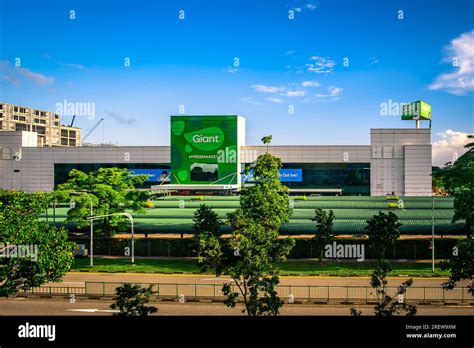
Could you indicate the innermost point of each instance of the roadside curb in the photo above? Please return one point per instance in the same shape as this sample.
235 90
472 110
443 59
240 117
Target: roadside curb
436 275
339 302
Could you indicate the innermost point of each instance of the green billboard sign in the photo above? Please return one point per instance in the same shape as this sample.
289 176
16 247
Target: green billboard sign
418 110
205 149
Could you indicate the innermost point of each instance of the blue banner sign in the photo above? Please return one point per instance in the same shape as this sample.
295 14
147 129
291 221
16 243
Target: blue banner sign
291 175
155 175
286 175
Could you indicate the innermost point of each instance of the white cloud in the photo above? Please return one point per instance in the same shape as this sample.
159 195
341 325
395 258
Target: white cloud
333 91
15 75
275 100
37 78
460 54
72 65
309 84
290 52
310 5
373 60
250 101
321 65
299 93
448 146
267 89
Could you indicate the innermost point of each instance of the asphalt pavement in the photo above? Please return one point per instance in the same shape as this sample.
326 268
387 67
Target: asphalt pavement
86 307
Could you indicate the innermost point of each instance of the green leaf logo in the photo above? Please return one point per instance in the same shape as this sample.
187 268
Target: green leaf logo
177 127
182 175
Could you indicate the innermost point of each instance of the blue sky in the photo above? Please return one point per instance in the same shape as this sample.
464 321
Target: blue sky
283 63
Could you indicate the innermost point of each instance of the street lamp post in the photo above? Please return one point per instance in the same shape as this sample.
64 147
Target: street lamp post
91 228
129 216
432 236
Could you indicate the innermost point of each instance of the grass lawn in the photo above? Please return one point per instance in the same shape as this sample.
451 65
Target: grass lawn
343 268
141 265
307 267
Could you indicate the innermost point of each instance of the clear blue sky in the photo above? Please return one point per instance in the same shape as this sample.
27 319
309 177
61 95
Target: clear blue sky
283 62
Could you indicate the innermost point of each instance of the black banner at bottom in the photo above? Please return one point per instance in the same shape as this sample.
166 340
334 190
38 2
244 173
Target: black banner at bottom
223 331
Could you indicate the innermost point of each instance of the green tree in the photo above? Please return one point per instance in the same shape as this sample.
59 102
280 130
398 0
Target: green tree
267 140
131 301
437 181
464 208
206 220
461 265
50 254
458 179
206 226
383 230
386 305
324 233
249 256
112 190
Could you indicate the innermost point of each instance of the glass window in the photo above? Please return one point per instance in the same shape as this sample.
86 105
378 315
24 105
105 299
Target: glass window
20 127
353 178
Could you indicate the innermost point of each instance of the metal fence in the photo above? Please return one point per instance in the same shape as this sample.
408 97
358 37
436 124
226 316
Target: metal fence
298 293
57 290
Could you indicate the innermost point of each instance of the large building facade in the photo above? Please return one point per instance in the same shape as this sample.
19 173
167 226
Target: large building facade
396 160
46 124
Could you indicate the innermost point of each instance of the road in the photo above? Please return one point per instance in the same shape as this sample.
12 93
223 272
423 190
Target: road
79 279
62 306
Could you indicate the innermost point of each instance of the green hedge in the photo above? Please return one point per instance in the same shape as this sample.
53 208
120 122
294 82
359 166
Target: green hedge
184 247
404 249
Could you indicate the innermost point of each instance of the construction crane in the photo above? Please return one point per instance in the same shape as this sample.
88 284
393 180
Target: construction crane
89 132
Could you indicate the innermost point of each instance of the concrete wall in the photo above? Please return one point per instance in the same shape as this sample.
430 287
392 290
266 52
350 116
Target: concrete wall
35 171
310 153
418 170
401 162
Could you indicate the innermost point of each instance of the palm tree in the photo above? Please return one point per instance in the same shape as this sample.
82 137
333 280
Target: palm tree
267 140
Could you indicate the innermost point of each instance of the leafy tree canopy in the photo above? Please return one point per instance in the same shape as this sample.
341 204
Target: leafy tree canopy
461 265
250 254
386 305
131 301
458 179
383 230
49 253
324 233
112 190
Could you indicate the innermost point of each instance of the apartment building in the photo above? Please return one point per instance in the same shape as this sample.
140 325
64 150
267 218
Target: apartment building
46 123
